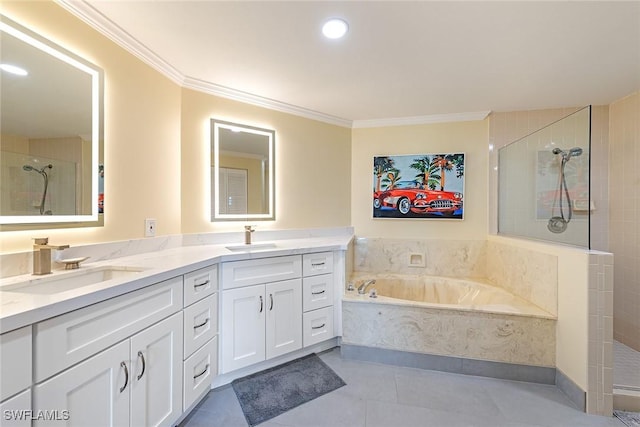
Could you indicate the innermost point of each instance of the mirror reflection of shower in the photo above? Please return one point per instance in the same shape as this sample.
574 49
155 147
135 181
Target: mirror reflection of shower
43 173
562 200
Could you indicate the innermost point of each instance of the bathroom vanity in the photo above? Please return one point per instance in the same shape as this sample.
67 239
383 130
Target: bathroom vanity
144 348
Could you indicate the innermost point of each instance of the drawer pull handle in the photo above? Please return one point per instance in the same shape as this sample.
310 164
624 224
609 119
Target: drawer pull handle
261 304
271 298
196 286
318 327
206 368
201 324
318 293
317 264
144 365
126 376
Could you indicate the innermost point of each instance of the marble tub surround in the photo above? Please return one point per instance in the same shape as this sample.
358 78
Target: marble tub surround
443 292
448 332
527 273
451 258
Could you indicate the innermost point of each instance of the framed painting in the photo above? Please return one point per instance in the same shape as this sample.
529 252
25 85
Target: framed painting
421 186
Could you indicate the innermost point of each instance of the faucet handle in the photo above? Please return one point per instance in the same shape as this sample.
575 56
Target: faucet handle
249 228
41 240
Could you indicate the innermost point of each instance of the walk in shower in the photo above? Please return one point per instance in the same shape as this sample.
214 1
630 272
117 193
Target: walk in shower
543 183
38 185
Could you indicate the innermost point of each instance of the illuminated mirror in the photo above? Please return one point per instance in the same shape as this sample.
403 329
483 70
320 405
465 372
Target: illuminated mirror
50 133
242 172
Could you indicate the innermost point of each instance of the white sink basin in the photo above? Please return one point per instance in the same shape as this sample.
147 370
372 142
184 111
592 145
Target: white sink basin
251 247
49 285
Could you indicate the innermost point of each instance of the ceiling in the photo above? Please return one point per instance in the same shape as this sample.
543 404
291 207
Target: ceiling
398 60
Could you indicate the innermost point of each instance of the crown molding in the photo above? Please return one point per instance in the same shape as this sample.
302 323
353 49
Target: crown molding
421 120
87 13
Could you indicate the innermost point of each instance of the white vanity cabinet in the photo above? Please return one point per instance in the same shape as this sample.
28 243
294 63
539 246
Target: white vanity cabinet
318 294
261 310
114 363
200 352
15 377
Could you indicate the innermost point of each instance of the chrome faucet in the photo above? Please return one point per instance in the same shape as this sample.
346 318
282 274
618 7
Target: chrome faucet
248 229
362 289
42 255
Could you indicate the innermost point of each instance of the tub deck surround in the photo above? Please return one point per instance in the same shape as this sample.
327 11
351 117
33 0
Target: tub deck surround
444 292
20 309
506 337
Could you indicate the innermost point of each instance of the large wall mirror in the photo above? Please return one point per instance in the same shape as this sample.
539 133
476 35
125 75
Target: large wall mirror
242 172
50 133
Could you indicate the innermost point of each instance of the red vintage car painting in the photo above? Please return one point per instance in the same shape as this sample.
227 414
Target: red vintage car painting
409 196
418 186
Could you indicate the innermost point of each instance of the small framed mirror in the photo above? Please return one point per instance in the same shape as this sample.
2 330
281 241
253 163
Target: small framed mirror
242 172
50 133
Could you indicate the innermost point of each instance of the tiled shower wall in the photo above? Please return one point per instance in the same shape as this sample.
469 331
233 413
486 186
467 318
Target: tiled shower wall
624 189
508 127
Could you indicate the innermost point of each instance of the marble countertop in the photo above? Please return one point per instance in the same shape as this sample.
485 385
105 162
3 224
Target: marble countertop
19 309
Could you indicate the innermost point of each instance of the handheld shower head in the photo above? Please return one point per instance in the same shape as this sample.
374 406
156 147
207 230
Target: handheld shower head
27 168
575 151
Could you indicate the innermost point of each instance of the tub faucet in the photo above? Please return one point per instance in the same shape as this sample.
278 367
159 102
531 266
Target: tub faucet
248 229
362 289
42 255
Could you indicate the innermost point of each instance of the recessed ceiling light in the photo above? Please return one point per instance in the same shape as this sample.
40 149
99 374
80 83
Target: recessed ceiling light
335 28
13 69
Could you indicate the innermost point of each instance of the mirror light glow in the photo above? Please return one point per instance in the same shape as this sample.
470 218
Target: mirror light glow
14 69
48 47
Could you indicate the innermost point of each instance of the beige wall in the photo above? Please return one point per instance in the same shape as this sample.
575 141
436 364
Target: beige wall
624 230
142 133
312 166
456 137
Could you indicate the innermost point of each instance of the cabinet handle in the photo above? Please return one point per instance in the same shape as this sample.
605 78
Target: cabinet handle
271 298
206 368
317 264
318 327
261 304
201 324
126 376
144 365
196 286
318 293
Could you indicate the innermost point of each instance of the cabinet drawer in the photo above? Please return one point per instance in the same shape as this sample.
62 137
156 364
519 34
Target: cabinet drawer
15 369
199 371
65 340
199 284
314 264
237 274
14 412
317 326
317 292
200 323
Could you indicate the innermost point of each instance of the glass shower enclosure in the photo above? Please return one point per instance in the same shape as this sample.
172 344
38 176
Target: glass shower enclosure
543 183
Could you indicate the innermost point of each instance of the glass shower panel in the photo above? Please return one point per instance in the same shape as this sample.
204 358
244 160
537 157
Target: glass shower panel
543 183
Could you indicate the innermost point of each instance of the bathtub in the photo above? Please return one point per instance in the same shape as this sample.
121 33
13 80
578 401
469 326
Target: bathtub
454 317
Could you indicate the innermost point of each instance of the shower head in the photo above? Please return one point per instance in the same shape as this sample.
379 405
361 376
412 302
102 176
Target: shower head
28 168
566 155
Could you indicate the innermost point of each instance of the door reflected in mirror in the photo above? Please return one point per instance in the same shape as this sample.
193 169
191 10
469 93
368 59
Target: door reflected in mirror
242 172
50 132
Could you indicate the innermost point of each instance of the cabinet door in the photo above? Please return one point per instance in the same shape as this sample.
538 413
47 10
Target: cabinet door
156 374
94 392
16 412
243 313
284 317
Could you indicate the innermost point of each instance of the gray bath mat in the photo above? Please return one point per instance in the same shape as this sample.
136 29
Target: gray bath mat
269 393
631 419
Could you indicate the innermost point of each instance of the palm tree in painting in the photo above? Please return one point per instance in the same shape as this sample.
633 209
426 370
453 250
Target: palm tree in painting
445 163
392 178
428 172
380 166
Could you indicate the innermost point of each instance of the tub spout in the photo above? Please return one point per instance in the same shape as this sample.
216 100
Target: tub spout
362 289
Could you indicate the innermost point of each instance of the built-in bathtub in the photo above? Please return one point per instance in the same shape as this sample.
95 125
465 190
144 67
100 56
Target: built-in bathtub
460 318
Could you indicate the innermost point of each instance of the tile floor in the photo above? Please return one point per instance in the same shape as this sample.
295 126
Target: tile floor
626 367
389 396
